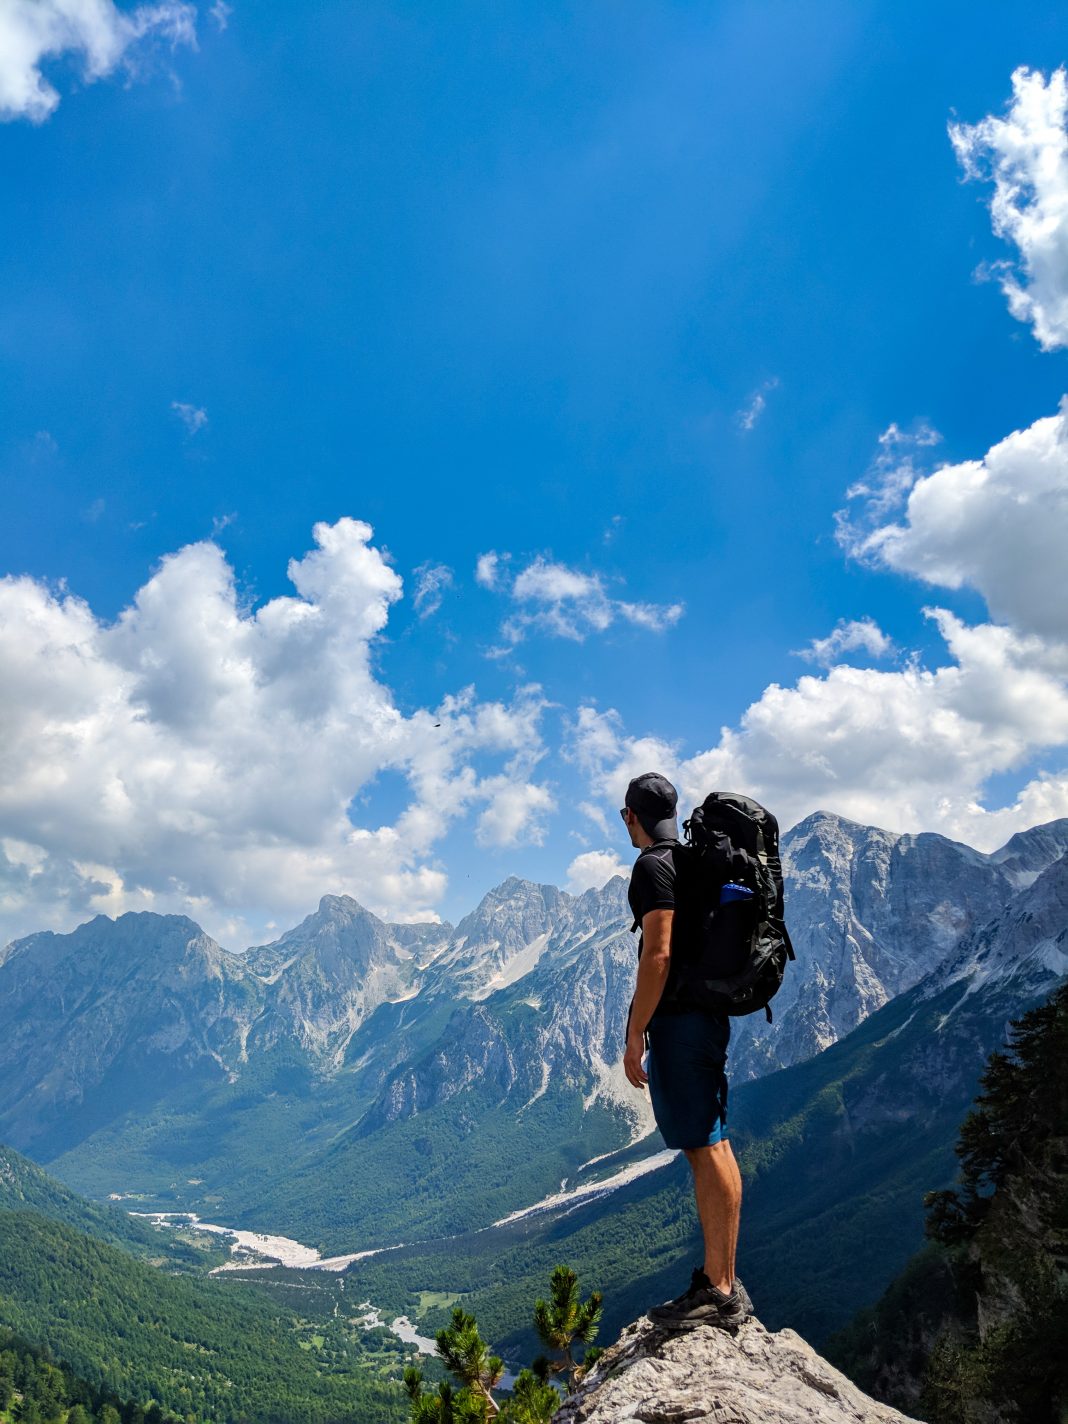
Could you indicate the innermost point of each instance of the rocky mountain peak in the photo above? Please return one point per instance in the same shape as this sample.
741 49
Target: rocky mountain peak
513 894
1028 853
502 937
1027 943
751 1377
140 943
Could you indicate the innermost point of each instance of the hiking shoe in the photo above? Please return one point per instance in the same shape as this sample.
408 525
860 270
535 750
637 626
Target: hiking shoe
747 1304
701 1304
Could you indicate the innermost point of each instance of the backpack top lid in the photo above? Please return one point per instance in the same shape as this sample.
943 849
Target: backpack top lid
742 819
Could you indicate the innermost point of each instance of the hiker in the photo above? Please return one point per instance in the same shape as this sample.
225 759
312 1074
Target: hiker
687 1054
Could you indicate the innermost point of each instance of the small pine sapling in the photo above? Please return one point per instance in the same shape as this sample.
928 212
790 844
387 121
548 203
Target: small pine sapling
564 1321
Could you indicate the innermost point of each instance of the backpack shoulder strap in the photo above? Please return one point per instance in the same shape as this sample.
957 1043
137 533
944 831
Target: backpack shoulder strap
670 847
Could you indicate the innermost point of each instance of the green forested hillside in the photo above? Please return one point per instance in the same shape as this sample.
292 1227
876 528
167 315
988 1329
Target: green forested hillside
37 1389
26 1187
975 1329
207 1348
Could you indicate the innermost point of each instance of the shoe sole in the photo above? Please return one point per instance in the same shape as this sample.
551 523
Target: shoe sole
692 1322
682 1327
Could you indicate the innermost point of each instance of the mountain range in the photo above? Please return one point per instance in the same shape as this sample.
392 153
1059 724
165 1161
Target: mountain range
320 1085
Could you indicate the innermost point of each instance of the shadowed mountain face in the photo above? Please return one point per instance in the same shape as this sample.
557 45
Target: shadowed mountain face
139 1053
93 1021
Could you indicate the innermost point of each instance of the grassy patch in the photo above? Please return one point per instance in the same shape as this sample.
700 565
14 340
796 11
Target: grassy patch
429 1299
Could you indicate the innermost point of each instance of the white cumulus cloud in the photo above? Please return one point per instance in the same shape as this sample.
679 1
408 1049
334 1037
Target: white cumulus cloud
487 569
97 33
1025 155
998 525
592 869
908 750
200 755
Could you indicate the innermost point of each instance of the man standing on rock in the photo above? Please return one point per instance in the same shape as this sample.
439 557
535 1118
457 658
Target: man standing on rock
685 1069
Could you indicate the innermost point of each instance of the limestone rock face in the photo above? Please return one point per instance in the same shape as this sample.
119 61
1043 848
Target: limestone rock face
752 1377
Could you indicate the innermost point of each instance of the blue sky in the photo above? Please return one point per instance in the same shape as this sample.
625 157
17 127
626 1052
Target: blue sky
505 278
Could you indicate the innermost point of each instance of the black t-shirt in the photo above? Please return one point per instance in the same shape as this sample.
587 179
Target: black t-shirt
652 882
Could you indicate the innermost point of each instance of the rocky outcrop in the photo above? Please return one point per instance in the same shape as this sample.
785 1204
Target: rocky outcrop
751 1377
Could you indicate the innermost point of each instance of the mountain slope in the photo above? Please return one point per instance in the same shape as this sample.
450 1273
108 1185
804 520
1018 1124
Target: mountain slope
110 1017
199 1347
870 913
974 1328
836 1154
26 1187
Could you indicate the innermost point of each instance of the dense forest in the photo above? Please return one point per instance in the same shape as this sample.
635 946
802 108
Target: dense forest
975 1328
202 1348
36 1389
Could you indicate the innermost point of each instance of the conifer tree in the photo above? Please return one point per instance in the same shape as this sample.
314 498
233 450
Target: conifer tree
467 1356
446 1406
563 1321
1006 1225
532 1402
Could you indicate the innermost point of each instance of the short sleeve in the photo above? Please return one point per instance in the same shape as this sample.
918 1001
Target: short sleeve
653 882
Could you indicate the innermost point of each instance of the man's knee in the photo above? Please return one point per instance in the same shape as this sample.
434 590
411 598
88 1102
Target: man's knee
711 1154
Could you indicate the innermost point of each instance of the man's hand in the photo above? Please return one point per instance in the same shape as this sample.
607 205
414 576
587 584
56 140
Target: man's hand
632 1061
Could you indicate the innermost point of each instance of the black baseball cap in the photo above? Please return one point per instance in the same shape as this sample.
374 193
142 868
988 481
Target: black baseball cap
653 800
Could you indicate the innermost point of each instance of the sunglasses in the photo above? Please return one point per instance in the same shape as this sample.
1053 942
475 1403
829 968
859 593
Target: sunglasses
624 811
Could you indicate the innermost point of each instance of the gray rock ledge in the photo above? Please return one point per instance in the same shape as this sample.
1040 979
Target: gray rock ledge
752 1377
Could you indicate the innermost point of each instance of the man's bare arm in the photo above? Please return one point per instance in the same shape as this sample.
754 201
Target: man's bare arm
652 976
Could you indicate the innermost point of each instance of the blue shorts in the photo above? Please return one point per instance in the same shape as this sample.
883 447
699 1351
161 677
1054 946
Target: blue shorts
687 1081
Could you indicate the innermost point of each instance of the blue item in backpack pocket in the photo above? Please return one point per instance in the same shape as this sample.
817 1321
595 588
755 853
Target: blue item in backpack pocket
733 891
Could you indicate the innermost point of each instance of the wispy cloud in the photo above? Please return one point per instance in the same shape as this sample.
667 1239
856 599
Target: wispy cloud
104 37
220 12
193 417
564 602
849 636
432 581
751 412
886 483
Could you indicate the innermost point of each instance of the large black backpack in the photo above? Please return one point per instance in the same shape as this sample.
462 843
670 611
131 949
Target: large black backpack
735 954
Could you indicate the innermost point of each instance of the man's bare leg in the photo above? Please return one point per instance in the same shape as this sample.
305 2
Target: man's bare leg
717 1185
